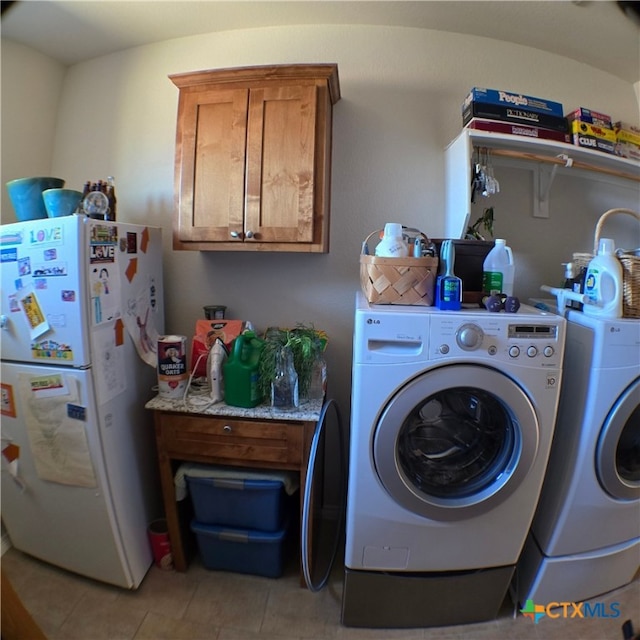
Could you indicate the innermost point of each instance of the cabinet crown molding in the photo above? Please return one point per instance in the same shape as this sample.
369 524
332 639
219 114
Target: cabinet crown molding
327 72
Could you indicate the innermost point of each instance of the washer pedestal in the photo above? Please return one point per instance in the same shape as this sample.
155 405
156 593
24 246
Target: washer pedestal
582 576
395 600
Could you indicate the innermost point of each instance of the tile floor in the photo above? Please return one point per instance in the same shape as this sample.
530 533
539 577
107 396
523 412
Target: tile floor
211 605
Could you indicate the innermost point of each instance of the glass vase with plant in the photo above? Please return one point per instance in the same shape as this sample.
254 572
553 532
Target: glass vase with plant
306 344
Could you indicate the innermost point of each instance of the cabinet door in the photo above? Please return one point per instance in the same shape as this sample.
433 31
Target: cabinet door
280 164
211 137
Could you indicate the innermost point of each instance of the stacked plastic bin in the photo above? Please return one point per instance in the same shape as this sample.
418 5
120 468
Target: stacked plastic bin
241 519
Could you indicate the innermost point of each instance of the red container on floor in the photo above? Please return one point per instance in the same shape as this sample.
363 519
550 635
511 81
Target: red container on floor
160 545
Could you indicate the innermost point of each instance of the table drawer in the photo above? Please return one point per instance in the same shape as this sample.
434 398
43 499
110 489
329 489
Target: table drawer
231 438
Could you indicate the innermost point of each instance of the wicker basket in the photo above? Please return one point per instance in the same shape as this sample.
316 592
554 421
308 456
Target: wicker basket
630 266
397 280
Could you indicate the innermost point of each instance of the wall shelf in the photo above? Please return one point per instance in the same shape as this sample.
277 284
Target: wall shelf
546 158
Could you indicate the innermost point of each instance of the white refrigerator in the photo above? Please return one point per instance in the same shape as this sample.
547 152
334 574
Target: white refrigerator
81 310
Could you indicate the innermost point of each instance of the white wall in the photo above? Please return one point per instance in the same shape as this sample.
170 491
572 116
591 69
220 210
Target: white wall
31 88
401 95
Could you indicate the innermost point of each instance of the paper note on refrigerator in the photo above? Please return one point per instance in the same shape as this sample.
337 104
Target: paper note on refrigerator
57 435
140 319
105 293
110 370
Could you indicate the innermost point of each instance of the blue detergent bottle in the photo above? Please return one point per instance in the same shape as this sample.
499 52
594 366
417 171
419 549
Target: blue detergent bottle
448 285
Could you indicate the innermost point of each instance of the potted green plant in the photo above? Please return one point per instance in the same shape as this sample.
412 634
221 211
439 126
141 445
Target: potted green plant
486 221
306 343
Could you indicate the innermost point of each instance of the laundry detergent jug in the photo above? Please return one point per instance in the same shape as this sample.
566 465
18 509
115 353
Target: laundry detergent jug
392 244
498 269
241 371
603 284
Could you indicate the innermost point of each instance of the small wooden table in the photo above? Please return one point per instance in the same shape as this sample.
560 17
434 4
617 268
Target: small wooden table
260 438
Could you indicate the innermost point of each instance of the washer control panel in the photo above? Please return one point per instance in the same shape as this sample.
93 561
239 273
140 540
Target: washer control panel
504 337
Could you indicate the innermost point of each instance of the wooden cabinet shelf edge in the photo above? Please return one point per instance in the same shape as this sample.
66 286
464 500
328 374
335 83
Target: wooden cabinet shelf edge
253 158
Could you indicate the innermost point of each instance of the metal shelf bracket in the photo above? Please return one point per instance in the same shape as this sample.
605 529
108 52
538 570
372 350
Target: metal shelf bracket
543 178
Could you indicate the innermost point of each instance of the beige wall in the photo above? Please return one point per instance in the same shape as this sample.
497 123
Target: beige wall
31 87
401 95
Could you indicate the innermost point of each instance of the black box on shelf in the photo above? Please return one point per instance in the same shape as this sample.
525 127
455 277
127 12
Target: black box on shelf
510 114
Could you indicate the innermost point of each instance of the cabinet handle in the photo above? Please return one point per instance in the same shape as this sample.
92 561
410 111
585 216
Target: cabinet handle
227 428
249 234
235 234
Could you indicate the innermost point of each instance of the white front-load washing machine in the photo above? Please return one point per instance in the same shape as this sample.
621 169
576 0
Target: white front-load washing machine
452 419
585 537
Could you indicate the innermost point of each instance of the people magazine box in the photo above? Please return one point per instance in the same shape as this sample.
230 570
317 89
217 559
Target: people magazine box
515 100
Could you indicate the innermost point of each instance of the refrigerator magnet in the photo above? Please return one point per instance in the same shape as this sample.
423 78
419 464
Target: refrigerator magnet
77 412
11 452
33 313
7 403
48 386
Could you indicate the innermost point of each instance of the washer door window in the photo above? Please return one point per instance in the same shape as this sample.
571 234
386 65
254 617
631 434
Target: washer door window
455 441
618 450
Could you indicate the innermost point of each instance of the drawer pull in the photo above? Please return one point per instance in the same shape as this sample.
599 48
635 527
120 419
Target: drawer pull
227 428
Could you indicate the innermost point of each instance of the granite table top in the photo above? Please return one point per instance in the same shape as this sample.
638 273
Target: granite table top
308 411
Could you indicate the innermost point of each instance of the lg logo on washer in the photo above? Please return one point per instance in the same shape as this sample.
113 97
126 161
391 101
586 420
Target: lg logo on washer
372 321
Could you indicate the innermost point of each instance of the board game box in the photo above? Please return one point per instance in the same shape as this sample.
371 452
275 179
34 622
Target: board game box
516 100
516 129
509 114
592 117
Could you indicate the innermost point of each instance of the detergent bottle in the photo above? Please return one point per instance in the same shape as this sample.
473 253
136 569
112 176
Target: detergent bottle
241 371
392 244
603 284
448 285
498 269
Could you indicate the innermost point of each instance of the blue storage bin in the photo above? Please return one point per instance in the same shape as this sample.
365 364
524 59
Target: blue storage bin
241 550
240 503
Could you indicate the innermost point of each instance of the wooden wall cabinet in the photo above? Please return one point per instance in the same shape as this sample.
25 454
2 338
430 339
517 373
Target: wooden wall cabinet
253 158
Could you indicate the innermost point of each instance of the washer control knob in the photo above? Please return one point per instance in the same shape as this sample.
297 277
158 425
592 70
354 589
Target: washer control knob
548 351
469 336
532 351
514 352
444 349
